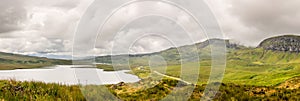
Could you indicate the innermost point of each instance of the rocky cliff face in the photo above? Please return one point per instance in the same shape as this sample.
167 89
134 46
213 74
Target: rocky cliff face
214 41
287 43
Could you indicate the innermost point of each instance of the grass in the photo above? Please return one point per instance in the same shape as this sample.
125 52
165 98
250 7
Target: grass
105 67
11 90
227 91
246 66
260 67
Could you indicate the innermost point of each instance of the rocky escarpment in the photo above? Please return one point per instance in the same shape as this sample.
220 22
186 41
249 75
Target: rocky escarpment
287 43
220 41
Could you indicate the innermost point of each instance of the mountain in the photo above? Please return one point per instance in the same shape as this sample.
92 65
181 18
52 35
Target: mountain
286 43
10 61
278 45
171 55
244 65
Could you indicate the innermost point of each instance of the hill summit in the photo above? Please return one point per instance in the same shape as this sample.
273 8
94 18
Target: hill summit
287 43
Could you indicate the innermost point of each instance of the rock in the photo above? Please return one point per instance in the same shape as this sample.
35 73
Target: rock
286 43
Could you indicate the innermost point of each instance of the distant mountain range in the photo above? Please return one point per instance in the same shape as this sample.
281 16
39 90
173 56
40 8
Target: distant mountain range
286 43
14 61
172 55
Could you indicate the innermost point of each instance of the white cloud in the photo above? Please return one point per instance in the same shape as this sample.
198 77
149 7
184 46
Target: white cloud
251 21
43 26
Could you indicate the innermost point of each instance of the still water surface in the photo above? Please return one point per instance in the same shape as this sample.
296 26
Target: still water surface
69 75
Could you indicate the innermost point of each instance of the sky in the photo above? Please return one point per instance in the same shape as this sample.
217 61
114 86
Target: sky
47 27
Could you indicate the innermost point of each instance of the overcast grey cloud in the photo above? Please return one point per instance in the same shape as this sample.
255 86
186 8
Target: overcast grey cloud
12 15
48 26
250 21
39 26
136 20
272 16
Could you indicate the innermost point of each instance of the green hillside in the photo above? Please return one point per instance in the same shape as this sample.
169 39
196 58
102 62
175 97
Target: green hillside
245 65
10 61
252 73
261 67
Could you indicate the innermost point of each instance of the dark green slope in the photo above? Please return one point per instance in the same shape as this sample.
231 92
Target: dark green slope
10 61
172 55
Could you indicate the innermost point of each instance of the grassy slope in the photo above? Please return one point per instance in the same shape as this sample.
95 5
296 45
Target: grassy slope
32 91
247 66
14 61
260 67
251 74
37 91
251 67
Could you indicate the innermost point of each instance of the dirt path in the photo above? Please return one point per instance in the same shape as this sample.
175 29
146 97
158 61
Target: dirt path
175 78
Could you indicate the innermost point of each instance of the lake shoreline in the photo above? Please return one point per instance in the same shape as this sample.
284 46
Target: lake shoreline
69 75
